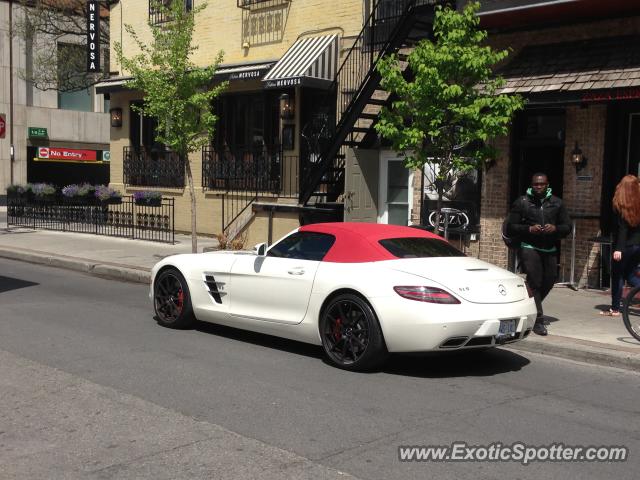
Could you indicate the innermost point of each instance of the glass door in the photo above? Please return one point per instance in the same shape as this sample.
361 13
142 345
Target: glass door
395 190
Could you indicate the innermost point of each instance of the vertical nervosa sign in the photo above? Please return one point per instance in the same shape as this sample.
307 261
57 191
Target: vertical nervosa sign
93 36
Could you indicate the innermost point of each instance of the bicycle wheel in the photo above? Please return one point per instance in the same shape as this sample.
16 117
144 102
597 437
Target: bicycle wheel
631 312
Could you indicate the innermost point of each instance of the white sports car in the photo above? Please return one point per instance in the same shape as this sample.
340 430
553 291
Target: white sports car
359 290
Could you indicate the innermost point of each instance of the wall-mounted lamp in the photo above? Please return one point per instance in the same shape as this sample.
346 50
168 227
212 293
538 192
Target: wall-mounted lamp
286 107
577 158
116 117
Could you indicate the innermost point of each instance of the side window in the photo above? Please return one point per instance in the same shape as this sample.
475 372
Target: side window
303 246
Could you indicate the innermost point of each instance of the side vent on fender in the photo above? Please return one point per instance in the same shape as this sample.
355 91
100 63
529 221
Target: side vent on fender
214 287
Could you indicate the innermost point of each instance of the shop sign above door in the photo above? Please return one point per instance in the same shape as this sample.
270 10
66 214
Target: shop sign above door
38 132
66 154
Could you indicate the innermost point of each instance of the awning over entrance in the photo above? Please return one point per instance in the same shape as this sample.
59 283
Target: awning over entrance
309 62
588 70
115 84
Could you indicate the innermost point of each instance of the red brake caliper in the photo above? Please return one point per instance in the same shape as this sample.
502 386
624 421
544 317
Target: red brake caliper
336 329
180 300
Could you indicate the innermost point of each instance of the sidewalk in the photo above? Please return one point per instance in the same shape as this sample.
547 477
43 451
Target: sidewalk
576 329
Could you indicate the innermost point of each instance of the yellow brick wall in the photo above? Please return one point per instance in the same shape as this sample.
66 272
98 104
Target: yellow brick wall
220 27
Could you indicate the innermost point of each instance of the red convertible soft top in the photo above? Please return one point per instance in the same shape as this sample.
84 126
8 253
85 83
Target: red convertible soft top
358 242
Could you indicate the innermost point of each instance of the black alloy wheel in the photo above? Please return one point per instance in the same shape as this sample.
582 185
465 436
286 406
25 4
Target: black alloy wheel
351 335
171 300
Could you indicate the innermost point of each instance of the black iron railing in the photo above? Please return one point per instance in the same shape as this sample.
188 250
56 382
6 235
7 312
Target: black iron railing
242 174
252 4
152 169
128 219
242 169
263 21
158 16
356 80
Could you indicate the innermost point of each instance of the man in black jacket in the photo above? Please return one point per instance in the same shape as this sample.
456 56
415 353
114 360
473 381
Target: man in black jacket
539 219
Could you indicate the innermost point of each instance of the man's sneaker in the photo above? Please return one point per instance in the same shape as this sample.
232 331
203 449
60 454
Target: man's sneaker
539 328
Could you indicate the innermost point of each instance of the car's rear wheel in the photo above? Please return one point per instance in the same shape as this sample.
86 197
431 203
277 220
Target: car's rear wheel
351 335
171 300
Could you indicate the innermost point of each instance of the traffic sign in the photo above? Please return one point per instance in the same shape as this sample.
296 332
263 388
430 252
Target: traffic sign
38 132
3 125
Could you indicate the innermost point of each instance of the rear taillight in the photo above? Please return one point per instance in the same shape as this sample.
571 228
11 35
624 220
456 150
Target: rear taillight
529 291
426 294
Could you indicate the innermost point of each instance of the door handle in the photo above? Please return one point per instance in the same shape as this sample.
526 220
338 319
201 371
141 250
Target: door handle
296 271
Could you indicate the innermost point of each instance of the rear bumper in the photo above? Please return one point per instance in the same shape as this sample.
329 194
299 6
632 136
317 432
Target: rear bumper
410 326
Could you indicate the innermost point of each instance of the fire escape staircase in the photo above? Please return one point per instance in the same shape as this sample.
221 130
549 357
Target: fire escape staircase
393 29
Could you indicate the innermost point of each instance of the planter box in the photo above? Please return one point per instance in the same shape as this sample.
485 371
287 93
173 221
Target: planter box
48 199
149 202
111 201
81 200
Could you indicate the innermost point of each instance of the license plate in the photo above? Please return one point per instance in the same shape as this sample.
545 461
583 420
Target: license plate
507 327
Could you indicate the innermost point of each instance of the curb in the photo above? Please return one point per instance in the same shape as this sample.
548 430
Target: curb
593 353
105 270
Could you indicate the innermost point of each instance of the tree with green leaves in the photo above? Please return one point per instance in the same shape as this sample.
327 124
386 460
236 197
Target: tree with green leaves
177 93
446 109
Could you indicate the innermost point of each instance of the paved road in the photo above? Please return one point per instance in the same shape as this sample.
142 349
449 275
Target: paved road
91 387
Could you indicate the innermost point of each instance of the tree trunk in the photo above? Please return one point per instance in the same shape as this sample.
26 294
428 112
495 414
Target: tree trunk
192 192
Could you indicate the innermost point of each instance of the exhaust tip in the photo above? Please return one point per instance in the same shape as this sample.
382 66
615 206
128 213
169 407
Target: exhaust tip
453 342
479 341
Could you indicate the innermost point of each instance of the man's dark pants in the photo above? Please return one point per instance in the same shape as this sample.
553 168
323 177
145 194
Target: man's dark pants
541 269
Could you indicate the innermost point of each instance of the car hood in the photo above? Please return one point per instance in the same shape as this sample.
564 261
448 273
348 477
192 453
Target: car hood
468 278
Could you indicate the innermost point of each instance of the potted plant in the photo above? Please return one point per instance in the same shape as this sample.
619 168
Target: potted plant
107 195
44 192
87 192
79 194
70 193
148 198
19 191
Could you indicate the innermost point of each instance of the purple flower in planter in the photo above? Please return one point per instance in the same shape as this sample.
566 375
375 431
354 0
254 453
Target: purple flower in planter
70 191
43 189
104 192
147 195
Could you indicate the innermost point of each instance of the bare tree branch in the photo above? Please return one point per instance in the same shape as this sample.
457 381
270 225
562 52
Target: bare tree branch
47 27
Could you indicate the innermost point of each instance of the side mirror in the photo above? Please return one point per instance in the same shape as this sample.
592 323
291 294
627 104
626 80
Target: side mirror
260 249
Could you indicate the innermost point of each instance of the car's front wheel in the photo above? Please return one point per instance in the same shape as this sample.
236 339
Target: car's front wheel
171 300
351 335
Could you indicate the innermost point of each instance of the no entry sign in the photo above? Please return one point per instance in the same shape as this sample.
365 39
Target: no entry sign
3 125
66 154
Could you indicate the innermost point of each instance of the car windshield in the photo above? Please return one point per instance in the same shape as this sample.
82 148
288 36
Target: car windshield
420 247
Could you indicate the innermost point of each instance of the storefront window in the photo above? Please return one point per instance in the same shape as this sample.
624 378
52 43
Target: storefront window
80 101
247 121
